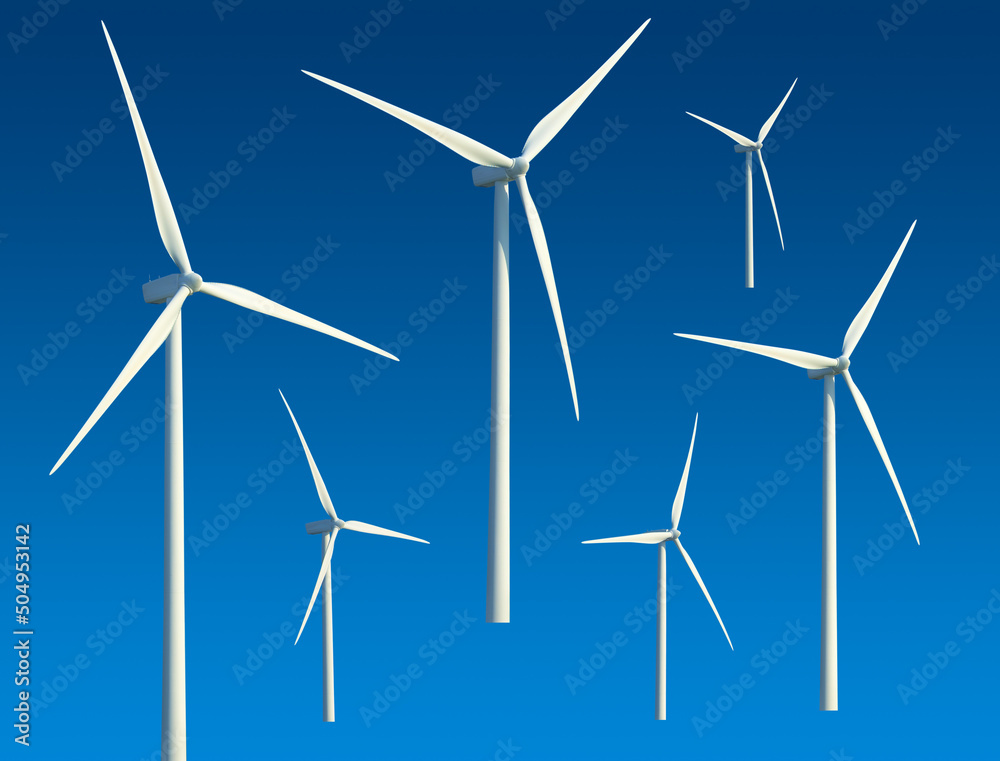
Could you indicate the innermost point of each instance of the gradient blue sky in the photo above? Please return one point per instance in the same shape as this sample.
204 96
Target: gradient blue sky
655 187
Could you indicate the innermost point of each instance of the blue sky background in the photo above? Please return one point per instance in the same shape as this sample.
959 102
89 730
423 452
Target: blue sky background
656 186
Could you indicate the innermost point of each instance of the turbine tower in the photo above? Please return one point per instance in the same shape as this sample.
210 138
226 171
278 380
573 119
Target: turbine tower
497 170
328 529
661 538
750 147
828 369
173 290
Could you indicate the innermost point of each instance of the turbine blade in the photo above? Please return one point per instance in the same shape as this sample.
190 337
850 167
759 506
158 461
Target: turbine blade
860 322
324 495
556 119
744 141
244 298
649 537
675 514
542 250
464 146
770 122
866 413
170 231
154 338
367 528
792 356
767 181
697 577
323 571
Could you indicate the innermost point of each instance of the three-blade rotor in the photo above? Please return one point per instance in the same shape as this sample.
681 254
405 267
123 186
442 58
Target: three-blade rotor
515 169
190 282
674 535
817 363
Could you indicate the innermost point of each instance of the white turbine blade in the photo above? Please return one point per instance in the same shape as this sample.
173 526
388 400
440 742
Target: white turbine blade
860 322
147 348
324 495
649 537
767 181
244 298
556 119
792 356
323 571
866 413
744 141
542 250
170 231
675 514
367 528
697 577
464 146
770 122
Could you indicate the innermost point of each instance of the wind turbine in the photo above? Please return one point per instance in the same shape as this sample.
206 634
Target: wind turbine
329 528
828 369
750 147
496 170
173 290
661 538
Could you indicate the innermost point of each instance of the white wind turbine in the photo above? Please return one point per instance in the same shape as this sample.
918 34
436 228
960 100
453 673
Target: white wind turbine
329 529
173 290
496 170
661 538
750 147
827 368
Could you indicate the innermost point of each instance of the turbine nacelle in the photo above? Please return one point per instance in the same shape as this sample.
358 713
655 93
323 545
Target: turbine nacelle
748 148
842 364
163 289
488 176
324 527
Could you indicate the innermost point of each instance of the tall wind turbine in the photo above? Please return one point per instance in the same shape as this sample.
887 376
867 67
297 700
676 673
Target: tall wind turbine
173 290
750 147
496 170
828 369
329 528
661 538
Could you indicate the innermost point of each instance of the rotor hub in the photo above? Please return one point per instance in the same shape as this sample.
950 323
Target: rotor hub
519 169
192 281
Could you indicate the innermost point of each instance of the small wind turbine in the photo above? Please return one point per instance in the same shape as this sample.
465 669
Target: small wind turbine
827 368
329 528
496 170
173 290
661 538
750 147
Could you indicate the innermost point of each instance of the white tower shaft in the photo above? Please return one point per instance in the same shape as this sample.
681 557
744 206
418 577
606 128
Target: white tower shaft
828 625
328 703
749 263
661 636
